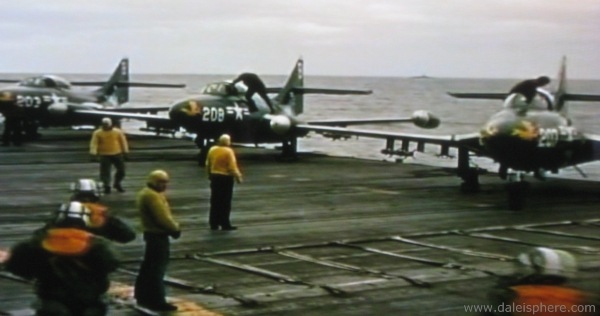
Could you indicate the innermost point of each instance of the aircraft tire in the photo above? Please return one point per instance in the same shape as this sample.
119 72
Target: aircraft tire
516 195
470 181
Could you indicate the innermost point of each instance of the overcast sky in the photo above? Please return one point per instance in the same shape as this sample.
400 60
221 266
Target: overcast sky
446 38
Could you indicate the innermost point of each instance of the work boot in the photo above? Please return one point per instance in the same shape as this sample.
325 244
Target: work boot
118 187
166 307
106 190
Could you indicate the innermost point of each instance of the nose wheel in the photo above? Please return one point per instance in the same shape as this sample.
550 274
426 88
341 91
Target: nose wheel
204 145
517 191
289 148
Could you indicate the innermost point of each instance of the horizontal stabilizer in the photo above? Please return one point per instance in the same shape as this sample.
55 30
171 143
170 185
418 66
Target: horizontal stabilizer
488 96
301 90
9 81
581 97
129 84
330 91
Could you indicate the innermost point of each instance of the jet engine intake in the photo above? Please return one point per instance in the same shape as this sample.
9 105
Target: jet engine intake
280 124
58 109
425 119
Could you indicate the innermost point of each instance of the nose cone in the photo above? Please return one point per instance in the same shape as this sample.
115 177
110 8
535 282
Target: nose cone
8 102
516 130
187 114
513 143
6 96
185 109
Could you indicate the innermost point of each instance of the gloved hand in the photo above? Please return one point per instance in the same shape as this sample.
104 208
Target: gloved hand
176 235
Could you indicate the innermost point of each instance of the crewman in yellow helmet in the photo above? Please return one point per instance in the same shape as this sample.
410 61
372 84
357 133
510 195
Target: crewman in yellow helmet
158 225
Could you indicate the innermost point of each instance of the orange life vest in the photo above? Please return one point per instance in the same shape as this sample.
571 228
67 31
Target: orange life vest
67 241
548 300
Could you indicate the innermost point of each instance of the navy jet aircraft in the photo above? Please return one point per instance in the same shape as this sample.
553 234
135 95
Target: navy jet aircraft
50 100
223 108
523 138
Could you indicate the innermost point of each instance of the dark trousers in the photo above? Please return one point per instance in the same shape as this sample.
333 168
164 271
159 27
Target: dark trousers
221 192
149 286
13 131
106 163
49 307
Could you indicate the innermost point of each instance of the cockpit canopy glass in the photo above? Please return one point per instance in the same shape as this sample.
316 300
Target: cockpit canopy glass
46 82
223 89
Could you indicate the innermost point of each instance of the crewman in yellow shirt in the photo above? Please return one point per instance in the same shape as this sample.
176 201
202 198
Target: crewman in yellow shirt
222 169
110 145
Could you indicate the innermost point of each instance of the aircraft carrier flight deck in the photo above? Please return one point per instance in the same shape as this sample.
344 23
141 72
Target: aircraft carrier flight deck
318 235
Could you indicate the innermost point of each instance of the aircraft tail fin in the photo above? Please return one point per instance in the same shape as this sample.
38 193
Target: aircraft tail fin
294 89
113 90
286 94
561 88
561 95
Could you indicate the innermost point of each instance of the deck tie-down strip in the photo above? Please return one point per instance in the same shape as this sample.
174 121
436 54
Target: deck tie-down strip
194 288
441 264
269 274
465 252
353 268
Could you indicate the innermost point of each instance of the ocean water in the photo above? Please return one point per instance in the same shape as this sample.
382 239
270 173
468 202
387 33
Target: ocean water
391 97
394 97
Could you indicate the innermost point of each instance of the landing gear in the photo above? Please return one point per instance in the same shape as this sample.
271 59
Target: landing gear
289 149
469 175
31 130
204 146
517 191
470 182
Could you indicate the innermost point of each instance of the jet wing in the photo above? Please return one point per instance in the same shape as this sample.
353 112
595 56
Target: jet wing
152 120
595 140
470 141
302 90
502 96
128 84
488 96
345 123
147 109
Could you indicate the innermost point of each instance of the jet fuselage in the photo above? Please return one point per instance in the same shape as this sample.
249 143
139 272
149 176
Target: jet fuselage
530 137
210 116
47 106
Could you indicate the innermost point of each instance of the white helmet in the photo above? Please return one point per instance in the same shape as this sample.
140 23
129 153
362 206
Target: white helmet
549 261
85 190
73 214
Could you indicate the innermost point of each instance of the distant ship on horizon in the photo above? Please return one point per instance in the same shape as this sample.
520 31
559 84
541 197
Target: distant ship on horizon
420 77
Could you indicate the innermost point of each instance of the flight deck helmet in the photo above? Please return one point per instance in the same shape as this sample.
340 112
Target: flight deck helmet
547 261
85 190
72 214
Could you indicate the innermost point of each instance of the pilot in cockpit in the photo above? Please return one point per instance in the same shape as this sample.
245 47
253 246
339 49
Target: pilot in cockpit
528 88
254 85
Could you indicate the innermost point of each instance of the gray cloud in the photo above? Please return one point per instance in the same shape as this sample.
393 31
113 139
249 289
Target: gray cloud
462 38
